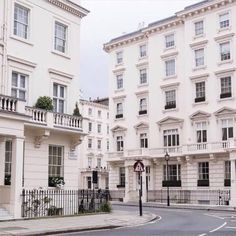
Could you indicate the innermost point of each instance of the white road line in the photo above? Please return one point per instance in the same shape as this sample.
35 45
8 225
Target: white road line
201 234
218 217
218 228
230 227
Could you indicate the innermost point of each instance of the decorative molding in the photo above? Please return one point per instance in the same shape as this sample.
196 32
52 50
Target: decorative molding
199 44
172 85
75 142
141 125
142 64
225 71
70 7
199 115
21 61
40 138
170 120
169 55
201 76
224 37
60 73
140 93
225 111
121 97
118 70
118 128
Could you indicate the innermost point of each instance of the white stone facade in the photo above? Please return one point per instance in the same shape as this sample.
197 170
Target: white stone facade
39 54
93 150
172 84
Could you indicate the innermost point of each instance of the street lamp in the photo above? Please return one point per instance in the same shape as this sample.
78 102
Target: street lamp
167 157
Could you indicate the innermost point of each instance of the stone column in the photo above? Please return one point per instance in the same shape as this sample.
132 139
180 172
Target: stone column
233 178
2 160
127 183
16 176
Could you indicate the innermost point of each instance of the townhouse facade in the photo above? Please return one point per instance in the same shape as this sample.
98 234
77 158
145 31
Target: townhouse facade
93 150
172 92
39 54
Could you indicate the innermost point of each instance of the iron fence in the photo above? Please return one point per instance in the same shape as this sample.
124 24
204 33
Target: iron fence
211 197
43 203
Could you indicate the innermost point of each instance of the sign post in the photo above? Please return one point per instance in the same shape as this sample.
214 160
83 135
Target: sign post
139 167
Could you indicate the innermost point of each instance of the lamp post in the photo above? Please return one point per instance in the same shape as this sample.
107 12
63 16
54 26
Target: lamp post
167 157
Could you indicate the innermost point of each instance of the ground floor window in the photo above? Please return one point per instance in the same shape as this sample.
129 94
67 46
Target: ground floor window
227 180
121 177
89 182
8 162
55 165
148 177
171 175
203 174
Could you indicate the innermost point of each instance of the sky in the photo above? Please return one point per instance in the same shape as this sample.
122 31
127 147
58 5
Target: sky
109 19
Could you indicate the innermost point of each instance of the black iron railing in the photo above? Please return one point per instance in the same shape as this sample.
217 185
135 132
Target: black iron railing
211 197
43 203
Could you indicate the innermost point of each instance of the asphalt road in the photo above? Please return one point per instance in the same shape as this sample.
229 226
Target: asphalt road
175 222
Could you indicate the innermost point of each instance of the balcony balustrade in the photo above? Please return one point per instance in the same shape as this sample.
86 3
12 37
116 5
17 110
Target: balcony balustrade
11 104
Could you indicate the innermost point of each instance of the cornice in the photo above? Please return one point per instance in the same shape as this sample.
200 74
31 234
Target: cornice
60 73
93 104
166 24
70 7
21 61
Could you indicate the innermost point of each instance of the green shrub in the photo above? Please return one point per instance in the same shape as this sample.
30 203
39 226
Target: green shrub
105 207
44 103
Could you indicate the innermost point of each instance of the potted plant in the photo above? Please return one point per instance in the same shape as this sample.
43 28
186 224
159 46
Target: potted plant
44 102
57 182
76 110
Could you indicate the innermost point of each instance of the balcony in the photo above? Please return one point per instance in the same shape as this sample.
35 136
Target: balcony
100 170
53 120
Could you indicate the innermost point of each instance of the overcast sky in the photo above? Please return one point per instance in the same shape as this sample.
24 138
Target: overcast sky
108 19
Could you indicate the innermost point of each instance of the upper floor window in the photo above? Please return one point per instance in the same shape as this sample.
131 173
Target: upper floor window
18 85
170 67
225 84
224 20
199 57
90 160
143 76
90 126
119 143
199 28
119 81
99 128
99 162
90 111
227 129
143 50
119 110
170 40
99 114
107 129
108 145
21 21
171 137
225 51
201 132
142 106
107 115
99 144
170 99
119 57
143 140
200 91
59 98
60 37
90 143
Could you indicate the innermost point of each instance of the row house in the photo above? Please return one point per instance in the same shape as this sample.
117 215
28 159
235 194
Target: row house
172 91
39 54
93 150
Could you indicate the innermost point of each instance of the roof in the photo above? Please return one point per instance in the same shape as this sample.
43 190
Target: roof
197 4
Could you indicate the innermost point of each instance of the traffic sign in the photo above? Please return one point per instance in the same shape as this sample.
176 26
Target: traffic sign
138 166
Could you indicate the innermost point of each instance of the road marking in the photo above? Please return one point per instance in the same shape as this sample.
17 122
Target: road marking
218 217
202 234
230 227
218 228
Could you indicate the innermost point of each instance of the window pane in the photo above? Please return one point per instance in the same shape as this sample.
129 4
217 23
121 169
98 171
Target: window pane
14 79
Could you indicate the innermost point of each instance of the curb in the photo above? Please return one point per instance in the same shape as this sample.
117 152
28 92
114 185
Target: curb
207 208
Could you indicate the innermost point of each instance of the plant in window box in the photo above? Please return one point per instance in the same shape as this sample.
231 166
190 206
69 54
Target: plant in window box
44 102
57 182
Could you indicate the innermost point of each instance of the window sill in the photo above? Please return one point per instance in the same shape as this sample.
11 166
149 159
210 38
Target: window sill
61 54
199 68
170 77
119 90
120 64
199 36
143 58
142 85
224 29
26 41
169 48
170 110
143 115
119 119
199 103
225 99
225 62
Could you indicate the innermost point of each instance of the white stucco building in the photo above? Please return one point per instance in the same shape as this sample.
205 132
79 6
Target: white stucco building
39 54
93 150
172 89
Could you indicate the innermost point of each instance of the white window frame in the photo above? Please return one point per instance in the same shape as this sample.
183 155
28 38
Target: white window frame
56 37
170 43
18 88
199 59
170 98
90 143
99 128
169 141
8 162
119 57
143 137
119 143
200 92
228 89
143 76
58 98
99 144
228 124
90 161
201 30
201 132
99 162
143 50
170 69
222 56
203 170
90 127
119 81
224 24
119 108
173 173
227 169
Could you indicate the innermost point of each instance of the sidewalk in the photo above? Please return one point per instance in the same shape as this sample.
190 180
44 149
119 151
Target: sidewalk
74 223
178 206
